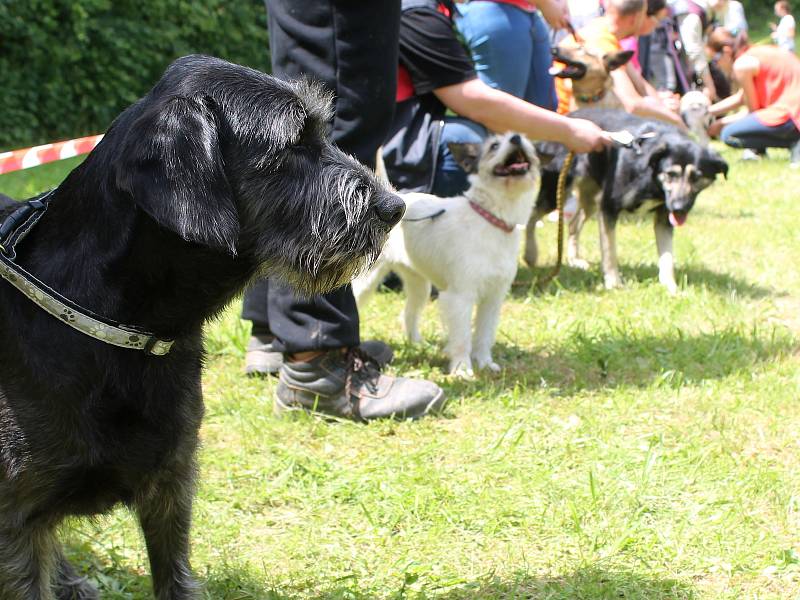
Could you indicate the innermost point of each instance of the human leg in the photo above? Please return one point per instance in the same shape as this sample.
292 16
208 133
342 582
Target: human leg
324 369
749 132
541 88
500 42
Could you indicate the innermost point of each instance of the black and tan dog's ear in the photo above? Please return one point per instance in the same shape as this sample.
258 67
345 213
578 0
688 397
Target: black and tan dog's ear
712 164
172 166
614 60
466 155
545 158
658 152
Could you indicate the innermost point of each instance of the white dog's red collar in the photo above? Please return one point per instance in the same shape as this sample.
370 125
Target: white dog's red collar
494 220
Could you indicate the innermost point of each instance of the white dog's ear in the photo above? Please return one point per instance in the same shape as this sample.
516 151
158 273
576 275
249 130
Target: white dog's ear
466 155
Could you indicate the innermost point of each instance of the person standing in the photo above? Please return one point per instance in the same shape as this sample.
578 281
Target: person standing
324 367
783 34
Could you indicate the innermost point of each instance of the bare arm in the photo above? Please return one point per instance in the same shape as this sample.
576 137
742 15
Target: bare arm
745 70
728 104
642 106
499 111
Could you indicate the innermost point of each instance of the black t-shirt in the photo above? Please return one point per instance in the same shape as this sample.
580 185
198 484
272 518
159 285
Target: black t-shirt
431 51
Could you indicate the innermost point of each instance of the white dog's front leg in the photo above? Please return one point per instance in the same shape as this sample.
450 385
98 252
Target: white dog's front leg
418 290
666 260
456 309
486 321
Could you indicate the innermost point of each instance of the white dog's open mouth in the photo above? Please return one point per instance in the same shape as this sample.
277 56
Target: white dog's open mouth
516 164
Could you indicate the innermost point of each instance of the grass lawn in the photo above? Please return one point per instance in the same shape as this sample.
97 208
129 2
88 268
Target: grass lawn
635 445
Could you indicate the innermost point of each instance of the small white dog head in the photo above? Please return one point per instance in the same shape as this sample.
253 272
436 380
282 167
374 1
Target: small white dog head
694 112
508 160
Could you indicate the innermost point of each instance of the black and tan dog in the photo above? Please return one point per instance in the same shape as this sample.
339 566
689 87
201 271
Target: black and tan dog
219 173
662 168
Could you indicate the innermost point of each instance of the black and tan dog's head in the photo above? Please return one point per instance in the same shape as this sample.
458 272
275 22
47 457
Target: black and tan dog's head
235 160
682 169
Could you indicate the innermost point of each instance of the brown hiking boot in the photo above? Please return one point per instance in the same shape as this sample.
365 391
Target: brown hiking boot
262 359
350 385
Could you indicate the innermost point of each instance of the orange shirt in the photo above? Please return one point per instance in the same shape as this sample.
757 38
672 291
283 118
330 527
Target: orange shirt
777 85
596 35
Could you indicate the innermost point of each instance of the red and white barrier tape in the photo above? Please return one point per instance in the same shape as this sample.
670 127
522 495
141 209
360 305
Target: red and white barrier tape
39 155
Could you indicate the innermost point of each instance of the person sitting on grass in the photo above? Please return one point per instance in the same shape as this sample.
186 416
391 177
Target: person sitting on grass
769 81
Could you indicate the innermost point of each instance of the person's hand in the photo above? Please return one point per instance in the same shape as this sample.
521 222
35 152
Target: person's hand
555 13
670 100
585 136
715 128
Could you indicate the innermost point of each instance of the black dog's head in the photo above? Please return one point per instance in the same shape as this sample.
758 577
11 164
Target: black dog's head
237 161
682 169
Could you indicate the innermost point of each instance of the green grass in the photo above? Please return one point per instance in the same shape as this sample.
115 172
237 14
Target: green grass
635 446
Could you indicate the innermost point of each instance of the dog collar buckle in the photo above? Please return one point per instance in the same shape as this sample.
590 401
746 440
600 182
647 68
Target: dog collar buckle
158 347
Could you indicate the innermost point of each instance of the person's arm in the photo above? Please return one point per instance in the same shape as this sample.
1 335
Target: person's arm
728 104
642 106
499 111
745 70
555 12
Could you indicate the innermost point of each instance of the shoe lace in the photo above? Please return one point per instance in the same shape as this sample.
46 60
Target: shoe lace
361 370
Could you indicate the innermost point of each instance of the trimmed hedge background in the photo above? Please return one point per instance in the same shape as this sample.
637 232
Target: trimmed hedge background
68 67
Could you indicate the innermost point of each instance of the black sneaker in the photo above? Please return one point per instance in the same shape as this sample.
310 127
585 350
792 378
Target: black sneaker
349 385
262 359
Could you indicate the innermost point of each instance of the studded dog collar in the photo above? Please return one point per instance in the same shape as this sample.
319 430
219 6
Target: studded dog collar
493 219
12 230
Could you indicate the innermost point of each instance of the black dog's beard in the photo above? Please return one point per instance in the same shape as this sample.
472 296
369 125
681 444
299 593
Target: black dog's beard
328 234
318 269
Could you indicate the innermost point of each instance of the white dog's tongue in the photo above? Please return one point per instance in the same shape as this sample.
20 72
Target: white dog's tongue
677 219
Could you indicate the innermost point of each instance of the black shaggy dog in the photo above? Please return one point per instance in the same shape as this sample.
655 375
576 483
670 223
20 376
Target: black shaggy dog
218 174
662 168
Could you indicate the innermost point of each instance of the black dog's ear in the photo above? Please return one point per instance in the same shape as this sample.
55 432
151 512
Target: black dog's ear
614 60
466 155
172 166
711 164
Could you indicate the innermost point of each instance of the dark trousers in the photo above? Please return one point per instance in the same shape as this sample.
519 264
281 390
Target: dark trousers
351 47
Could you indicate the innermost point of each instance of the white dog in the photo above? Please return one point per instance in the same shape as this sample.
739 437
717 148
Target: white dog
467 246
694 112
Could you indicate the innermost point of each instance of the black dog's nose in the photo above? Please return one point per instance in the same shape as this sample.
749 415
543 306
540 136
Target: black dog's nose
516 140
390 209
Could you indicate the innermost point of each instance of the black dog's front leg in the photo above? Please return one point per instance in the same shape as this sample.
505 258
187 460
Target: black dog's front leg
27 557
165 514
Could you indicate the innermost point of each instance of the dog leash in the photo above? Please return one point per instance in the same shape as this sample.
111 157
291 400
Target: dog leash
561 192
12 231
621 138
